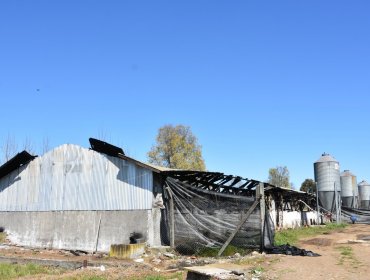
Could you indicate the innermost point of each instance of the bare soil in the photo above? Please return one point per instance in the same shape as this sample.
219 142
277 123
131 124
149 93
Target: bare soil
334 262
345 254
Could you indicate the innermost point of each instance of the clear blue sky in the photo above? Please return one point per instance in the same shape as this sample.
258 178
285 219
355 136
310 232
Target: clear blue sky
261 83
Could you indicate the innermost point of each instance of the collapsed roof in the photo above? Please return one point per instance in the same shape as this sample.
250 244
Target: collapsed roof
14 163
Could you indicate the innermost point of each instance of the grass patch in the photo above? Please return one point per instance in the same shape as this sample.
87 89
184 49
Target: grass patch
258 269
346 251
292 236
178 276
86 277
250 261
347 256
256 272
213 251
14 271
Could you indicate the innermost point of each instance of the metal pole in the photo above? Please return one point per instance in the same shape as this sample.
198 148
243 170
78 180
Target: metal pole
317 204
339 207
336 203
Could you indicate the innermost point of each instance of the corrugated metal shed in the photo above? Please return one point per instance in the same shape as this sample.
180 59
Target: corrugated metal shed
74 178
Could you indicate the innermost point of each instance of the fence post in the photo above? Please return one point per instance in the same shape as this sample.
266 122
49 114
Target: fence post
260 194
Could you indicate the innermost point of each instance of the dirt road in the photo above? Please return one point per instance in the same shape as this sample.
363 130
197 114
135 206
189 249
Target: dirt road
344 255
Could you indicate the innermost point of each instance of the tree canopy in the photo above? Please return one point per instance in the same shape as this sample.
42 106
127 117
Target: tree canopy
279 177
176 147
308 186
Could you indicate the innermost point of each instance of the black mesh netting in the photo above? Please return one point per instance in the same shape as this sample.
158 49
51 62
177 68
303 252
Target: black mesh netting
290 250
206 219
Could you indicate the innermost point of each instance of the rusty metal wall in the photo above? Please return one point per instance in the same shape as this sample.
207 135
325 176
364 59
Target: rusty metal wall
74 178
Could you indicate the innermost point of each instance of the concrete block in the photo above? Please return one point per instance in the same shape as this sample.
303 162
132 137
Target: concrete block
127 251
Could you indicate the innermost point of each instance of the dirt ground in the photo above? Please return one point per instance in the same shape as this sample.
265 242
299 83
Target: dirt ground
345 254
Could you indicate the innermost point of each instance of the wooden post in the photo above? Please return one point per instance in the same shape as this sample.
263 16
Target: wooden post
241 223
172 219
260 193
97 237
282 212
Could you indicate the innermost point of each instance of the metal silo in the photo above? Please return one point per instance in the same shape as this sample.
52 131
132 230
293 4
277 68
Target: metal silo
349 189
364 193
327 177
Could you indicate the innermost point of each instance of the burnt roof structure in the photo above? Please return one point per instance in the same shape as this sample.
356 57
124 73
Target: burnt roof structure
105 148
17 161
215 182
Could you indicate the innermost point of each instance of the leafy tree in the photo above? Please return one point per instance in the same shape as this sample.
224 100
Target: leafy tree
308 186
279 177
178 148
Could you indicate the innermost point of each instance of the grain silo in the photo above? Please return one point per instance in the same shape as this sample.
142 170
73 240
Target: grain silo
349 189
327 178
364 194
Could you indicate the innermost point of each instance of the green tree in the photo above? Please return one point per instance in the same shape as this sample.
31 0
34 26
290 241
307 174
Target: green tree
308 186
279 177
177 147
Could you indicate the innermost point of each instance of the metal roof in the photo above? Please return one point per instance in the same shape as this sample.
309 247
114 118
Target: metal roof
71 177
347 173
363 183
326 158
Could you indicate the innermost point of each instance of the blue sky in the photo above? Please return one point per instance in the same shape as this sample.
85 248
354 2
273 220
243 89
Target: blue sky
261 83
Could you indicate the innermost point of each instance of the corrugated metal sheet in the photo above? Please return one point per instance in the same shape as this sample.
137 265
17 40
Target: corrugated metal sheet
74 178
348 184
364 192
327 178
327 173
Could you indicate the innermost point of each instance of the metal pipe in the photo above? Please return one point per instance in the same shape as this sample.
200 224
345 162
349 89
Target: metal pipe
317 204
336 203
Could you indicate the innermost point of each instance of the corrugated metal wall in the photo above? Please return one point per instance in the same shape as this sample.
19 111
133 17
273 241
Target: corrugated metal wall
74 178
